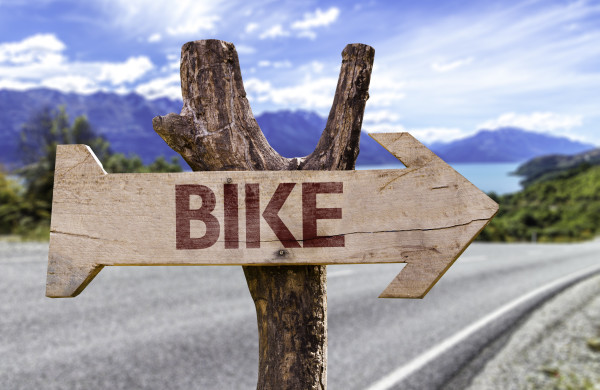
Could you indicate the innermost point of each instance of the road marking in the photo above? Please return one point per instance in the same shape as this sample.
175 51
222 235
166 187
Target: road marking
403 372
343 272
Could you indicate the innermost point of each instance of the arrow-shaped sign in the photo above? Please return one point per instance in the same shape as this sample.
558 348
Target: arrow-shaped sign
425 215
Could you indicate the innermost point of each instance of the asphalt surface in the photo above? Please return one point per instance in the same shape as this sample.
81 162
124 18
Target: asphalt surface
195 327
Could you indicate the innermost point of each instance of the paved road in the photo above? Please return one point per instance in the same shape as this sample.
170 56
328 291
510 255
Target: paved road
194 327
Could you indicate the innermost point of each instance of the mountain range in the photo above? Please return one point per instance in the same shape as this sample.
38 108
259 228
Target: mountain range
506 144
126 121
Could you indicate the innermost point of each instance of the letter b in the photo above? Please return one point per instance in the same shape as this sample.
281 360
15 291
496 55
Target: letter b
183 216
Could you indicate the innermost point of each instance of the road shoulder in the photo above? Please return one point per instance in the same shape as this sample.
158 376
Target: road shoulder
550 348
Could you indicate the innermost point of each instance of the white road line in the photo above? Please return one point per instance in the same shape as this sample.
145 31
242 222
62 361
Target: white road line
343 272
420 361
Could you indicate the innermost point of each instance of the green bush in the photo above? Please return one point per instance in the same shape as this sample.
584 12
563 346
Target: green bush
563 209
25 208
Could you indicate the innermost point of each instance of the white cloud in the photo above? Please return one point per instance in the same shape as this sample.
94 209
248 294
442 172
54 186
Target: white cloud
308 94
39 48
256 86
282 64
169 86
385 90
383 128
307 34
244 49
317 19
442 67
275 64
193 27
315 69
178 17
128 71
71 83
304 86
251 27
274 32
173 64
17 85
39 61
380 116
385 97
312 85
313 20
536 121
156 37
423 134
303 27
317 66
521 58
437 134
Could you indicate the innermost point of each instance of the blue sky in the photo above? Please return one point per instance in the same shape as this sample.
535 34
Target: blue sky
443 69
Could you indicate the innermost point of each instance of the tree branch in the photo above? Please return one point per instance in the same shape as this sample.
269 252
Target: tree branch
338 146
216 130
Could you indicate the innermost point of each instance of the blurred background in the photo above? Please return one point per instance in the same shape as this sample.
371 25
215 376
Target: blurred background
505 91
494 88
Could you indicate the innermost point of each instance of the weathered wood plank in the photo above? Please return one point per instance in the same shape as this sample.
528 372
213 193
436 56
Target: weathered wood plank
424 215
216 131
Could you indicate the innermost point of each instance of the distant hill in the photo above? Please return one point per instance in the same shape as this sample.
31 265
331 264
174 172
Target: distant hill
506 144
560 201
550 167
126 121
560 209
296 133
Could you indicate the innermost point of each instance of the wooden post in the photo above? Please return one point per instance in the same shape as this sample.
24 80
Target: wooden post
216 130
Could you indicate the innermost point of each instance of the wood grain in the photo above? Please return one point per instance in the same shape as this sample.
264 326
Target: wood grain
216 130
424 215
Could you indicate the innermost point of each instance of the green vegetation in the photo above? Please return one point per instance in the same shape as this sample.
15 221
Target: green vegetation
565 207
16 215
25 202
118 163
564 379
561 200
554 166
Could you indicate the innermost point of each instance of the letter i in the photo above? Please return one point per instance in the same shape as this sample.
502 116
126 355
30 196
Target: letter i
252 216
230 201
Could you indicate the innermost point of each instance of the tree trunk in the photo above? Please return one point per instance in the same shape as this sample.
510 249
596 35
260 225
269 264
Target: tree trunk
216 130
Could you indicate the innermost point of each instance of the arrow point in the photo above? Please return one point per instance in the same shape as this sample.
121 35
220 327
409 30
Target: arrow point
422 272
67 279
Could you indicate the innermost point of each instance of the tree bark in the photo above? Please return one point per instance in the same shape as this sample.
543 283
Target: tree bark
216 130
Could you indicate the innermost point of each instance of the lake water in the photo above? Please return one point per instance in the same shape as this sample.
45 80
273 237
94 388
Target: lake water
488 177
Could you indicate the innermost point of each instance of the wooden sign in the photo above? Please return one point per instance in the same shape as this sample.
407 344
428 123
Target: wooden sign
425 215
